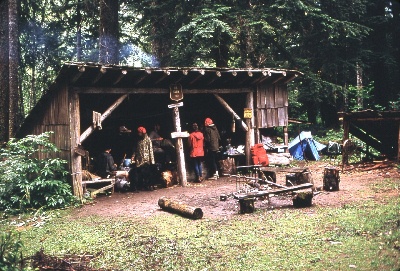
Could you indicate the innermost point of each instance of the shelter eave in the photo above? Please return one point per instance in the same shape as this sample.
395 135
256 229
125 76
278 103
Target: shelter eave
93 75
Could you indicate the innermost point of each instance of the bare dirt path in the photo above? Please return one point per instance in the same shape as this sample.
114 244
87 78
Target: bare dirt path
355 185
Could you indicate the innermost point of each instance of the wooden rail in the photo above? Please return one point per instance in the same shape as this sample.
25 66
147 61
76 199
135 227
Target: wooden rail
102 189
280 190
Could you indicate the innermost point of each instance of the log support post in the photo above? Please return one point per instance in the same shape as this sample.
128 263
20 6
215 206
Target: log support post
103 116
250 137
76 160
179 147
286 138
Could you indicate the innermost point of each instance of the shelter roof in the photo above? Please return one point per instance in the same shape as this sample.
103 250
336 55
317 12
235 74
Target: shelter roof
113 79
106 76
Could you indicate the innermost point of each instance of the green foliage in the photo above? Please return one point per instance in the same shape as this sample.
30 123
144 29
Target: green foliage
360 98
11 258
29 182
326 40
204 35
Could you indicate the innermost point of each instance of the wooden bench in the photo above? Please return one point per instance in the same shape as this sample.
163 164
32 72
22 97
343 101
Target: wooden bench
102 189
246 199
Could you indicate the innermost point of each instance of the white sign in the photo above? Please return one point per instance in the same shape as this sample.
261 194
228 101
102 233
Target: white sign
179 134
175 105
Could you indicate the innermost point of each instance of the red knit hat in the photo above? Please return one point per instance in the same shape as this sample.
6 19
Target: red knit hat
208 122
141 130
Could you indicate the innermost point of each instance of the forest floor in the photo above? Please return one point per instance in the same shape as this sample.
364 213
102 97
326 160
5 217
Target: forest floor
356 184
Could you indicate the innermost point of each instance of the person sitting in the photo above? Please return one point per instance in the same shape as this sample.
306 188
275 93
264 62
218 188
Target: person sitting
163 148
106 167
105 164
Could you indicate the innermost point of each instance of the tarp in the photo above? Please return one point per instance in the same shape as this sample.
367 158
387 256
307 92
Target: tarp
304 147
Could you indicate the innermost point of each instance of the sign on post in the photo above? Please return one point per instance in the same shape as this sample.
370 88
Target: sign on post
175 105
248 113
179 134
175 92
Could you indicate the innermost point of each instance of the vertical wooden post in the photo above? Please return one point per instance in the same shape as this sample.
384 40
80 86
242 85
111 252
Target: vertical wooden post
179 149
286 137
250 141
346 128
74 130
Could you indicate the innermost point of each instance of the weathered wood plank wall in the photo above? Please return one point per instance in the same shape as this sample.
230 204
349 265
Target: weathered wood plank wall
272 106
55 118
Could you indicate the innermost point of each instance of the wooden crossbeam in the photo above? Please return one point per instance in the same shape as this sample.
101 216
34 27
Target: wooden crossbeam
273 191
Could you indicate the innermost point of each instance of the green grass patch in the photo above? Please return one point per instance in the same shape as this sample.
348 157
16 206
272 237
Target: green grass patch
353 237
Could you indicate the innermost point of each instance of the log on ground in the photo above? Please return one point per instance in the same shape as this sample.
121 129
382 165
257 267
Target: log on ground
180 208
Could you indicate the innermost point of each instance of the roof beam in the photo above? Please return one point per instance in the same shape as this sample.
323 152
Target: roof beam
81 70
122 75
99 75
115 90
148 72
106 113
230 110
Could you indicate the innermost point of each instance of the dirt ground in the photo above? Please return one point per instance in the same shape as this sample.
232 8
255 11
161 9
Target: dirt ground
355 185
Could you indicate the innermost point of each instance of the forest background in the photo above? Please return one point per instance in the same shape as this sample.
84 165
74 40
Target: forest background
347 50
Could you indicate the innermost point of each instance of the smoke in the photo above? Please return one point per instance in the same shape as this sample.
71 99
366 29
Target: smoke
132 55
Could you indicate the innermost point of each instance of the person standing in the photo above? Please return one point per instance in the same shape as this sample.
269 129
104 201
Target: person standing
212 141
144 159
196 143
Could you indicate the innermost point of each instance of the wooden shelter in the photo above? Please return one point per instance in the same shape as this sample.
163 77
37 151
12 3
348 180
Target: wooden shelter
88 104
378 129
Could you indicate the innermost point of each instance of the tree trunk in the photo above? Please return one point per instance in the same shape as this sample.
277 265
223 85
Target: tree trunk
161 44
179 208
4 67
13 117
79 31
378 36
396 39
109 32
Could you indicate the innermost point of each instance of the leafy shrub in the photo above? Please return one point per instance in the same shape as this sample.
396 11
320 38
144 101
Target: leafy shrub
29 182
10 252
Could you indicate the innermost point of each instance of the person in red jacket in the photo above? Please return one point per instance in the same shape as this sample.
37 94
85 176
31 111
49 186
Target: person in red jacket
196 143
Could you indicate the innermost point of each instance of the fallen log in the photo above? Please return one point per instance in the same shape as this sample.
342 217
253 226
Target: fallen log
180 208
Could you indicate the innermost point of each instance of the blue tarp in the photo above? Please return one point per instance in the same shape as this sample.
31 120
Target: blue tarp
304 147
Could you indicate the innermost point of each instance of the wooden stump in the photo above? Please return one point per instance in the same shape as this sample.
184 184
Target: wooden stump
291 179
246 205
331 179
302 198
180 208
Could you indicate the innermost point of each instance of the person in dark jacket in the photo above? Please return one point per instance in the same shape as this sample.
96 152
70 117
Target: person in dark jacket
105 164
212 141
196 143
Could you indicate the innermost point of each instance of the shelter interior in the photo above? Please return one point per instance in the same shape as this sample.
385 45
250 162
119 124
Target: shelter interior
149 109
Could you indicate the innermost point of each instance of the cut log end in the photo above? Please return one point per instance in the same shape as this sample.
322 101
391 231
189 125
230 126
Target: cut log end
302 198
